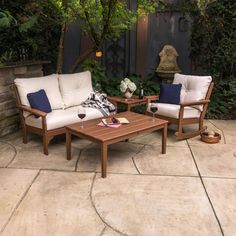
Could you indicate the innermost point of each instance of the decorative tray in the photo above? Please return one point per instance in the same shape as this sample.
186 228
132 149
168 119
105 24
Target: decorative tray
210 137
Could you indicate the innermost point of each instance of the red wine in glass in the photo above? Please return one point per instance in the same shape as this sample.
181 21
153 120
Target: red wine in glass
81 115
153 109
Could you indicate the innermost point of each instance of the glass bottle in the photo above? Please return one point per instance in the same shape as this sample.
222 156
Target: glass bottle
141 92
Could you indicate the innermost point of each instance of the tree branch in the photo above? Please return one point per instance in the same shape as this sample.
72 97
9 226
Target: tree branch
61 47
82 58
93 33
106 20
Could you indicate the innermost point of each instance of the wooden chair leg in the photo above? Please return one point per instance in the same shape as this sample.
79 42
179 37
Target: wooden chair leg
25 135
180 128
200 124
45 144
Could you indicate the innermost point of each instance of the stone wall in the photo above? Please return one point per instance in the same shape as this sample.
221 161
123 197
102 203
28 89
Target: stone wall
9 116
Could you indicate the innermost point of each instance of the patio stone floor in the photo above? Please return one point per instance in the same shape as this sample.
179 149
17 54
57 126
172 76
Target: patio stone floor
189 191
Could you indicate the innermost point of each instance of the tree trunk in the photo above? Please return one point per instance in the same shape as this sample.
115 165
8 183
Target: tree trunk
81 58
61 48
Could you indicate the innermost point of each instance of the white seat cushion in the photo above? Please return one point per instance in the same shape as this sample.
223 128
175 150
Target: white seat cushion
61 118
48 83
172 110
75 88
194 88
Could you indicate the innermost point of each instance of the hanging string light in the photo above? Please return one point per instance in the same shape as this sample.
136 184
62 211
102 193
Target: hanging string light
98 53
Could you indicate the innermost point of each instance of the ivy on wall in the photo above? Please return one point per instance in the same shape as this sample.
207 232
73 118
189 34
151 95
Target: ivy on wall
213 49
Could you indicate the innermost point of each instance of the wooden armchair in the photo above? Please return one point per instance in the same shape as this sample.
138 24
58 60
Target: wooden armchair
194 100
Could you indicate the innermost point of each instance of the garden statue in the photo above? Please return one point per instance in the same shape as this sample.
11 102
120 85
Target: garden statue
168 63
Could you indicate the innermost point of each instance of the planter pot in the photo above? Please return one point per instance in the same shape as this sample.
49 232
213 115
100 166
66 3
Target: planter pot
128 94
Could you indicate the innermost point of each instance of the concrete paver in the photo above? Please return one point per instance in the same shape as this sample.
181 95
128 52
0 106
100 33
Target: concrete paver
57 204
109 232
176 161
8 152
215 160
228 127
222 193
154 205
154 138
145 192
119 158
13 185
33 157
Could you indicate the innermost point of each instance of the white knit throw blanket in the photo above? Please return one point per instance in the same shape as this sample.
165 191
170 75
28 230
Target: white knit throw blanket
99 101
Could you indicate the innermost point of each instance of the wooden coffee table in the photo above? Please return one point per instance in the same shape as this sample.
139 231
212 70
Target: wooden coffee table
104 135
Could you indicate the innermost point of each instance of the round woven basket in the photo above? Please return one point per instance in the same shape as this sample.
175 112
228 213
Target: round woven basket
209 139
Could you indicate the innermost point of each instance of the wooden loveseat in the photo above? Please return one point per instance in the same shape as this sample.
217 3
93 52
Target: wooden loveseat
65 92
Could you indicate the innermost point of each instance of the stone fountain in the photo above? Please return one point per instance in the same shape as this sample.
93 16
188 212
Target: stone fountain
168 64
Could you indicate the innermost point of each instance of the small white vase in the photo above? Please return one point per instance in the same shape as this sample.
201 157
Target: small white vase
128 94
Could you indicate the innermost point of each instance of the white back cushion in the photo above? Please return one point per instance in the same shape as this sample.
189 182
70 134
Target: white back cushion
48 83
75 88
194 88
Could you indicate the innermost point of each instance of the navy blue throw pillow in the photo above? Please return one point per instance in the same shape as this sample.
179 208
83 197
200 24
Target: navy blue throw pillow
170 93
39 100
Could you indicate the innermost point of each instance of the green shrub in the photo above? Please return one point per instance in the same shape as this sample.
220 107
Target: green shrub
110 85
213 48
29 30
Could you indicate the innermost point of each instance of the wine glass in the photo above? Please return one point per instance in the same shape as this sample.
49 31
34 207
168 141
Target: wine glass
81 115
153 108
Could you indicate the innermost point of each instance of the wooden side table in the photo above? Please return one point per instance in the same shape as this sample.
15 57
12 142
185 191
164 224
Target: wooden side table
129 103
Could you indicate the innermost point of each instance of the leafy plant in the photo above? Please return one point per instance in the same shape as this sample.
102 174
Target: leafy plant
112 85
6 19
213 48
29 30
101 20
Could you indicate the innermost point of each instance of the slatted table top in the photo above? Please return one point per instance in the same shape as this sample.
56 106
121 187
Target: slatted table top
134 100
138 123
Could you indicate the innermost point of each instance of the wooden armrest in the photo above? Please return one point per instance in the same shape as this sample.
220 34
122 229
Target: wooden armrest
201 102
33 111
152 98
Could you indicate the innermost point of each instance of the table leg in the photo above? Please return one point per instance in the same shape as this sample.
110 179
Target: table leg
104 159
68 145
128 107
164 137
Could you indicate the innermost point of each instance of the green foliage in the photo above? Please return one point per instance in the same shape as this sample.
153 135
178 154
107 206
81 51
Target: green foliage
96 69
32 31
108 19
213 48
223 99
29 24
6 19
108 85
111 85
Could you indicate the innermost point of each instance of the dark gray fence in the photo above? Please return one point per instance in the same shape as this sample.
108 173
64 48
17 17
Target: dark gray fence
137 50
